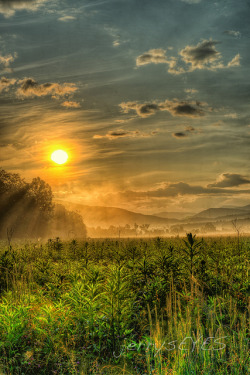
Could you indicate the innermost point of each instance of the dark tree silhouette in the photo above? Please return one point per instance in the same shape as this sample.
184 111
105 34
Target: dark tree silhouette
41 194
28 210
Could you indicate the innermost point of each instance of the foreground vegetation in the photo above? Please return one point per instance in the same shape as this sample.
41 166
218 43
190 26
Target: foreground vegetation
155 306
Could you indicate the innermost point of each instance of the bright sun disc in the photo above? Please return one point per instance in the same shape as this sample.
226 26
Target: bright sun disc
59 156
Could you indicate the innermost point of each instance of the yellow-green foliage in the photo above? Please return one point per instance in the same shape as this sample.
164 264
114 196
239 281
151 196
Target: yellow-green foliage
152 306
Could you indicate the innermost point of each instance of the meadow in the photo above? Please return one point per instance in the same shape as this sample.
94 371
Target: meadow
126 306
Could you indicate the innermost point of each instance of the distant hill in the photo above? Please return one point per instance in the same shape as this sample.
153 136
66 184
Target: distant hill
215 213
104 217
174 215
246 208
94 216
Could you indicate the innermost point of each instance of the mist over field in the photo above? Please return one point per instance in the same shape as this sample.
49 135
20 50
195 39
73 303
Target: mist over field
28 210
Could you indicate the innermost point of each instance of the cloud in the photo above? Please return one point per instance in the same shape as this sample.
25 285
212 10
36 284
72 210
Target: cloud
179 189
183 108
6 60
175 107
30 88
191 1
190 129
114 32
5 83
179 135
9 7
191 91
120 133
231 115
201 54
156 56
122 121
204 55
66 18
230 180
233 33
71 104
143 110
235 61
116 43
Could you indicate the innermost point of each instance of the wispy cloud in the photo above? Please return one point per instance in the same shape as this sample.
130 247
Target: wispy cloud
66 18
34 131
9 7
120 133
71 104
231 115
190 129
191 1
191 91
175 107
115 35
116 43
234 33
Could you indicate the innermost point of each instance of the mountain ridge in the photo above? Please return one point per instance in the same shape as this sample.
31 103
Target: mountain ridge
106 216
103 216
214 213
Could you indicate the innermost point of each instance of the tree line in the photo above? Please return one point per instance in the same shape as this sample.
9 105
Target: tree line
27 210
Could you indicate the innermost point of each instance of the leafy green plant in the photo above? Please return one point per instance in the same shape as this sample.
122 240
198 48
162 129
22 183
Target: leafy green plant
109 306
192 251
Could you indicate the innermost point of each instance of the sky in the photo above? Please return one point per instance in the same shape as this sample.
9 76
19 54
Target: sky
150 99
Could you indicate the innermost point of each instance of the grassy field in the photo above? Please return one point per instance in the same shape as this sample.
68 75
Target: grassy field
142 306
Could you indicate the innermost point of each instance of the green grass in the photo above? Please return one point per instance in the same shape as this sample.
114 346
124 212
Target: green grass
125 307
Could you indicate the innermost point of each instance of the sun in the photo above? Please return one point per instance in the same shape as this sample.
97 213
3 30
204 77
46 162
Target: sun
59 156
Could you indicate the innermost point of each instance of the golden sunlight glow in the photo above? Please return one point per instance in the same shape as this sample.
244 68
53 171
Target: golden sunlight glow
59 156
